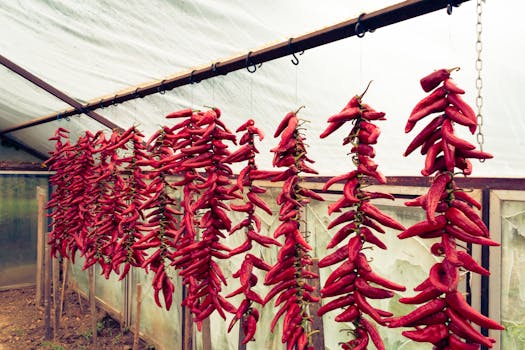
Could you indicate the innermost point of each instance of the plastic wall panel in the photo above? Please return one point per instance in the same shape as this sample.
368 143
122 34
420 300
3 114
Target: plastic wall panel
161 327
111 291
406 262
18 228
513 274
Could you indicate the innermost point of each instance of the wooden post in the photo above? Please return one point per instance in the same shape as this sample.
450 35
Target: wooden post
56 273
240 345
40 244
92 306
65 268
206 334
137 319
47 293
317 324
187 325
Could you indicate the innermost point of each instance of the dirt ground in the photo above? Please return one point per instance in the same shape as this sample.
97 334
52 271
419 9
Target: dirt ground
22 325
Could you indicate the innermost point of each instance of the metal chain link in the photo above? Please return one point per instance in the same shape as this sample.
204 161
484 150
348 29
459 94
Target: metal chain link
480 137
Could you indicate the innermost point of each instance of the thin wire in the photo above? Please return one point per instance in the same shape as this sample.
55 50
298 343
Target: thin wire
296 83
251 95
361 62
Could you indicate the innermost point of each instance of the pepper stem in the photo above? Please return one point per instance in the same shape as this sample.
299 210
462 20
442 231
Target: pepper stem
297 111
453 69
364 92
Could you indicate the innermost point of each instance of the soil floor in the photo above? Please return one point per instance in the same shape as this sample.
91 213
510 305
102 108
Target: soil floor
22 325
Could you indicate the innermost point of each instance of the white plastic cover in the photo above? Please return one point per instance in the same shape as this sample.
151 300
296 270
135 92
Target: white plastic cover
93 48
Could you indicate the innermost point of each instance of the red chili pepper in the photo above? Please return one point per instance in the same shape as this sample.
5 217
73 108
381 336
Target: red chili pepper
455 343
435 107
424 134
424 310
346 300
435 78
348 315
456 301
455 115
374 213
470 264
430 334
330 129
342 234
460 104
461 327
434 194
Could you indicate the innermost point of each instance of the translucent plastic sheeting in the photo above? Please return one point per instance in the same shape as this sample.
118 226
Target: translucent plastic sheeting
22 100
89 49
18 228
513 274
161 326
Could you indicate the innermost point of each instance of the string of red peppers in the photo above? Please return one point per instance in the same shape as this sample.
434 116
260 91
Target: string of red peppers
350 281
161 215
129 203
105 196
59 161
247 312
445 319
205 134
290 276
71 207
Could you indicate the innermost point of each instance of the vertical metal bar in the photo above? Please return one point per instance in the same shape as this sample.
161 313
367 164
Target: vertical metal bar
485 259
56 273
317 324
40 245
92 306
47 293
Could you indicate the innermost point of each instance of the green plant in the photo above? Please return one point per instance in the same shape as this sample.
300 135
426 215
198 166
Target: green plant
117 339
87 334
47 344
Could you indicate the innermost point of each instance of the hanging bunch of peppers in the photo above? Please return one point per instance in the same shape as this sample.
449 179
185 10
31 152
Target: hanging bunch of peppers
129 202
247 312
105 195
200 139
60 202
72 209
160 214
290 276
350 281
445 319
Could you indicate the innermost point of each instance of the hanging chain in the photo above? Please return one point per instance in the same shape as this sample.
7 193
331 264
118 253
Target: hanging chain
480 137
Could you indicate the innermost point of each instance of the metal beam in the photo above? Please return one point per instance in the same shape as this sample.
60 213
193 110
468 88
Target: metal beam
353 27
10 142
78 108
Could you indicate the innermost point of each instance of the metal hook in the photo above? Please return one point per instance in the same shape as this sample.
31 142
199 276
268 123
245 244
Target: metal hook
360 29
136 93
451 4
214 67
100 104
160 89
249 64
192 81
295 60
115 100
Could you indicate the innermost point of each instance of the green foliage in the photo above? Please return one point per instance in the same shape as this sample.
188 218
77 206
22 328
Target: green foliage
50 345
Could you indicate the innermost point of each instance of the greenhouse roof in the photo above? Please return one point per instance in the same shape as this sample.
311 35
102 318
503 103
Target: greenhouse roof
95 49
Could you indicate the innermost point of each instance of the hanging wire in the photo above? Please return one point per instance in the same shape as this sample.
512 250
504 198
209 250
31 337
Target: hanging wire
480 137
